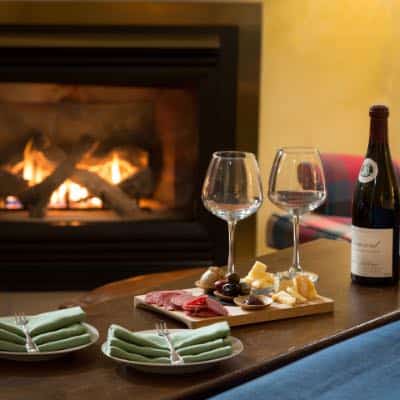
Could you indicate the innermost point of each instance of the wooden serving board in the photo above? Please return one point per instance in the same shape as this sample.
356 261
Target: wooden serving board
237 316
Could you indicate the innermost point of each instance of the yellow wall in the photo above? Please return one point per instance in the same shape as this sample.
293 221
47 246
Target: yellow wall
324 63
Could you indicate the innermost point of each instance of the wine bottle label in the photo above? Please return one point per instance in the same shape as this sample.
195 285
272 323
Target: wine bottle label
368 171
371 252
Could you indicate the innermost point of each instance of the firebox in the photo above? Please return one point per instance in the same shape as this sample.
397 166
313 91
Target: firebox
79 153
103 148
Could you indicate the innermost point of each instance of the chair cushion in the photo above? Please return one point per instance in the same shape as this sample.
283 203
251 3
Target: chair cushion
341 173
312 226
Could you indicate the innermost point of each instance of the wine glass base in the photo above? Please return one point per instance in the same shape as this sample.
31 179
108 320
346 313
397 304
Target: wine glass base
290 275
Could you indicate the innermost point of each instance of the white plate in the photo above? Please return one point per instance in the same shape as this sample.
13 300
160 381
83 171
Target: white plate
48 355
157 368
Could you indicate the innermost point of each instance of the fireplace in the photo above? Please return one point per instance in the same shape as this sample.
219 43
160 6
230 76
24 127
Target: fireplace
103 148
80 153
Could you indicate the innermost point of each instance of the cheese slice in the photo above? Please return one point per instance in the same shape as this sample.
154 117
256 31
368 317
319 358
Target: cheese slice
284 298
303 285
257 271
299 298
284 284
258 277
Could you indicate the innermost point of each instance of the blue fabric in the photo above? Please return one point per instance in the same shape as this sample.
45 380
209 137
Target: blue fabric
366 367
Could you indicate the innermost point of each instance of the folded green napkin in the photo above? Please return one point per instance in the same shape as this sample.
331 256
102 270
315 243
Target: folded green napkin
62 344
209 355
51 331
45 322
194 345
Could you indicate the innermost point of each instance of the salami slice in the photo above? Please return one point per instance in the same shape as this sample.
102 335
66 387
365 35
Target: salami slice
216 306
197 306
202 314
180 299
163 297
196 303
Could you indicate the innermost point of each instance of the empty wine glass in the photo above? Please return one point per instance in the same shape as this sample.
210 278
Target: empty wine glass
232 190
297 185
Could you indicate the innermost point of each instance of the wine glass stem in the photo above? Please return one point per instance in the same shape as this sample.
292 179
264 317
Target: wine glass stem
231 237
296 258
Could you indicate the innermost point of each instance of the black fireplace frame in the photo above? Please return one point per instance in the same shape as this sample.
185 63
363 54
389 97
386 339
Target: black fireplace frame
42 255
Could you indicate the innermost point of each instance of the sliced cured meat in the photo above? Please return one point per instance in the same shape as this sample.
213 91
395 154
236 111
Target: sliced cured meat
204 306
202 314
180 299
196 306
216 306
196 303
163 297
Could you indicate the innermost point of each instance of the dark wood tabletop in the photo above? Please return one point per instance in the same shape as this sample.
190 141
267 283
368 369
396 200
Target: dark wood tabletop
89 375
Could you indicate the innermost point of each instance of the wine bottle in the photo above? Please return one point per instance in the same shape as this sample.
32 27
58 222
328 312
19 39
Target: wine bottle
376 210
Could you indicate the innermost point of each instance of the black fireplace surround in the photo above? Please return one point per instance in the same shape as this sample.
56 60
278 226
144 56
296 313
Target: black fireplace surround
49 255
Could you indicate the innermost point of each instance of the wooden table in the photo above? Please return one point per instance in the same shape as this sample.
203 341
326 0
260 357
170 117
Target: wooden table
89 375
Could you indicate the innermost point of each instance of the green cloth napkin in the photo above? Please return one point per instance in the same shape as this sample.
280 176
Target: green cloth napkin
45 322
156 352
183 338
208 355
51 331
62 344
194 345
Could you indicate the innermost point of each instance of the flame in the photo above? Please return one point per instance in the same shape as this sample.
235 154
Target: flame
115 170
71 194
58 198
76 192
29 167
35 167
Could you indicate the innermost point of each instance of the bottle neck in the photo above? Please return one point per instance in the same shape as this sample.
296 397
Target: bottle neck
378 132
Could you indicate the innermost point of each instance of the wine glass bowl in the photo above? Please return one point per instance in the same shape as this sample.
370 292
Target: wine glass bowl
232 190
297 185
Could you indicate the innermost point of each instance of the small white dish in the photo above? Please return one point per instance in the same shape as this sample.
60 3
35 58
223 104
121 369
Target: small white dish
157 368
49 355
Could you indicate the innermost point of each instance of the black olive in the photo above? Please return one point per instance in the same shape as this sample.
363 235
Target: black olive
219 284
233 278
244 288
231 289
253 300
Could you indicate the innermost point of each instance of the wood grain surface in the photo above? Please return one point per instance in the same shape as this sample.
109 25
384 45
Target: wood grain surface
89 375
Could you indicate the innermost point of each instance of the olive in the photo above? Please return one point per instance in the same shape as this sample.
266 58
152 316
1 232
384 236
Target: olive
233 278
219 284
244 288
253 300
231 289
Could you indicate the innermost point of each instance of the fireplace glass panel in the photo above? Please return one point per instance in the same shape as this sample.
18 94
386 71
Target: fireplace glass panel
71 153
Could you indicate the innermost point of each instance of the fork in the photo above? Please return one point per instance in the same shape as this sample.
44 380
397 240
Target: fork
30 345
162 330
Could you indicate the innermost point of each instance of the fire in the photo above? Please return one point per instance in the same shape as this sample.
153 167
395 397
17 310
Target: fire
115 171
29 168
34 168
34 165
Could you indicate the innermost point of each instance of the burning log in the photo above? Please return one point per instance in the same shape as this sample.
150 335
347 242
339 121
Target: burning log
36 198
10 184
140 184
112 195
53 153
